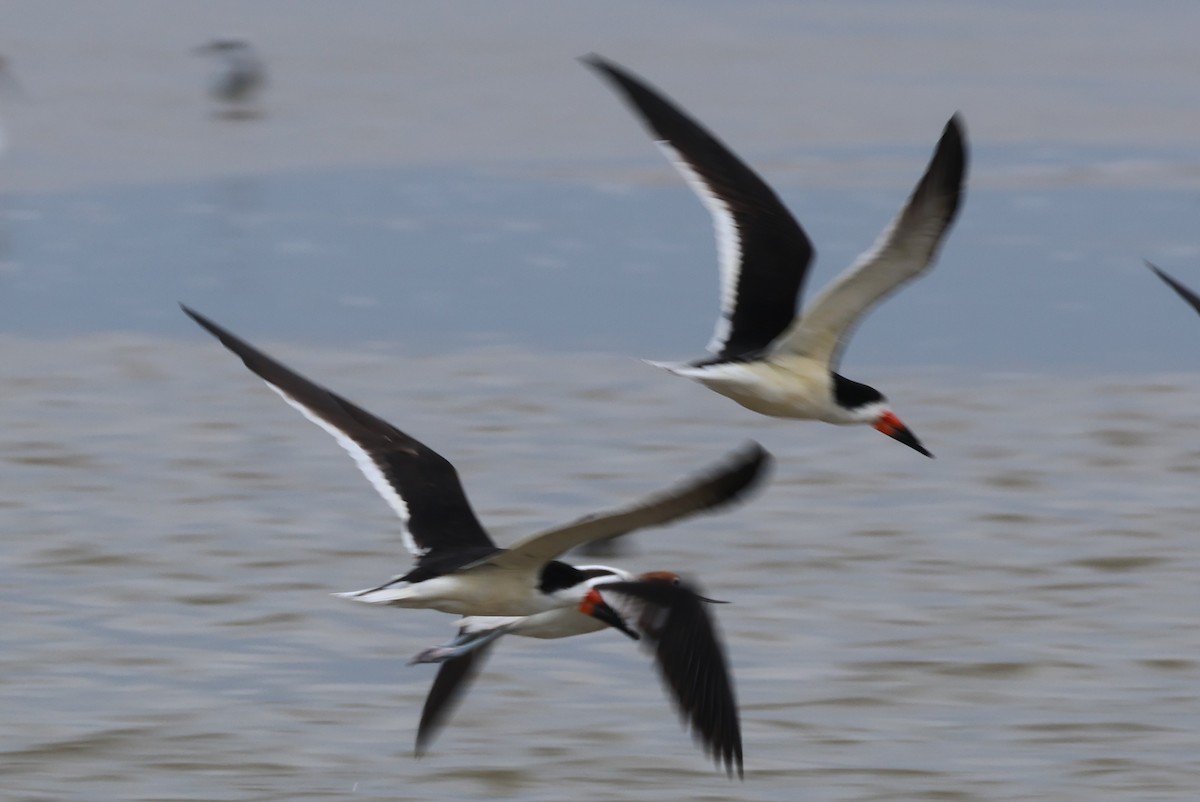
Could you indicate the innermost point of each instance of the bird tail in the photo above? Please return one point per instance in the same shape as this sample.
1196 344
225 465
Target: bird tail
401 594
671 367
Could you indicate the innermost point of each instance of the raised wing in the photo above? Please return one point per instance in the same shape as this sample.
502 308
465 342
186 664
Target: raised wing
905 250
418 483
764 253
1183 291
453 678
718 486
692 662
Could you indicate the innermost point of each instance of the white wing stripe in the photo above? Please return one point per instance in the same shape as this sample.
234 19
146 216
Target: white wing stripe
729 243
365 464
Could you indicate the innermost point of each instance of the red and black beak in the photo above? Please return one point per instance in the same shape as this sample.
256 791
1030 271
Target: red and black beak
593 604
890 425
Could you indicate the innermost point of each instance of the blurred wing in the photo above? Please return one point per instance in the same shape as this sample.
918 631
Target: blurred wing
419 484
1183 291
905 250
692 662
449 686
764 254
718 486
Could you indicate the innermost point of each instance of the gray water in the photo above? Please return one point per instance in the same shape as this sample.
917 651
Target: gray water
443 217
1015 619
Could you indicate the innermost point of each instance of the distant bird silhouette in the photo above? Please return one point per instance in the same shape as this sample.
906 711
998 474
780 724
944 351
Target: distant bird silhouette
9 86
238 76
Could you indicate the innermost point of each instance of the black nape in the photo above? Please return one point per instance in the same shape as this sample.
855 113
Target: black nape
852 395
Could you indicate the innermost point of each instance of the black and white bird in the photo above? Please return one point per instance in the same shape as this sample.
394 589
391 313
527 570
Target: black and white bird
764 356
669 616
238 75
1183 291
460 570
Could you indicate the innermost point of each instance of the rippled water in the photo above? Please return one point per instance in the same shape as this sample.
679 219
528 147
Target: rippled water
1015 619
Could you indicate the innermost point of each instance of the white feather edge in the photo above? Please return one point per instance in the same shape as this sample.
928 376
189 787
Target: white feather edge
386 595
365 464
729 244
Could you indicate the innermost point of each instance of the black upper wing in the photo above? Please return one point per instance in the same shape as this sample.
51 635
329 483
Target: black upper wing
764 253
731 480
906 249
419 484
675 623
446 693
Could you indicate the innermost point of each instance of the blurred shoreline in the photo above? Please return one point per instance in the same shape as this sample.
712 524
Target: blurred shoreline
497 85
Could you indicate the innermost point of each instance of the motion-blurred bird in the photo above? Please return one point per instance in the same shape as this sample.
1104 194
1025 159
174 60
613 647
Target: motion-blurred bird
765 357
9 86
658 607
238 75
524 589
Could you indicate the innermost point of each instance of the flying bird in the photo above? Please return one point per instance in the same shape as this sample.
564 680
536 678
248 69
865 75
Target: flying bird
764 356
10 87
668 615
238 76
459 569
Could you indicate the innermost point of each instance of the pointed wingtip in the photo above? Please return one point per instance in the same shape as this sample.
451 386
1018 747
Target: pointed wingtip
945 177
751 464
954 138
755 452
427 732
599 63
205 323
633 87
1181 289
956 131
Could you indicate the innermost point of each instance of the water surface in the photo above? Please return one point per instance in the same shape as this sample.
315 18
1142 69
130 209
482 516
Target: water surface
1010 620
444 217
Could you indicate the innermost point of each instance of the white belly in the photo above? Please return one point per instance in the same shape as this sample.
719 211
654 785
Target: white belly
561 623
485 590
796 388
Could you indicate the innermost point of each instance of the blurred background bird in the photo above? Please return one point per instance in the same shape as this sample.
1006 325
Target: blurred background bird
238 76
9 88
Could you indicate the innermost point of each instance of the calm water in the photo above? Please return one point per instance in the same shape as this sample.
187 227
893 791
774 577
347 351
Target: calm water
446 219
1045 277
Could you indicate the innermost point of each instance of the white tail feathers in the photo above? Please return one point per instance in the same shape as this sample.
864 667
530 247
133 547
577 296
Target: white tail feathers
393 594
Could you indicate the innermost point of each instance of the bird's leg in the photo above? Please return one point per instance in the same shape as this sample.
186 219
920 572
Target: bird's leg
465 643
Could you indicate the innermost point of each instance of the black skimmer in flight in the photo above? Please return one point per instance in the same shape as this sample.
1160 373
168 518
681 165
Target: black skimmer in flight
238 76
668 614
460 570
1183 291
765 357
